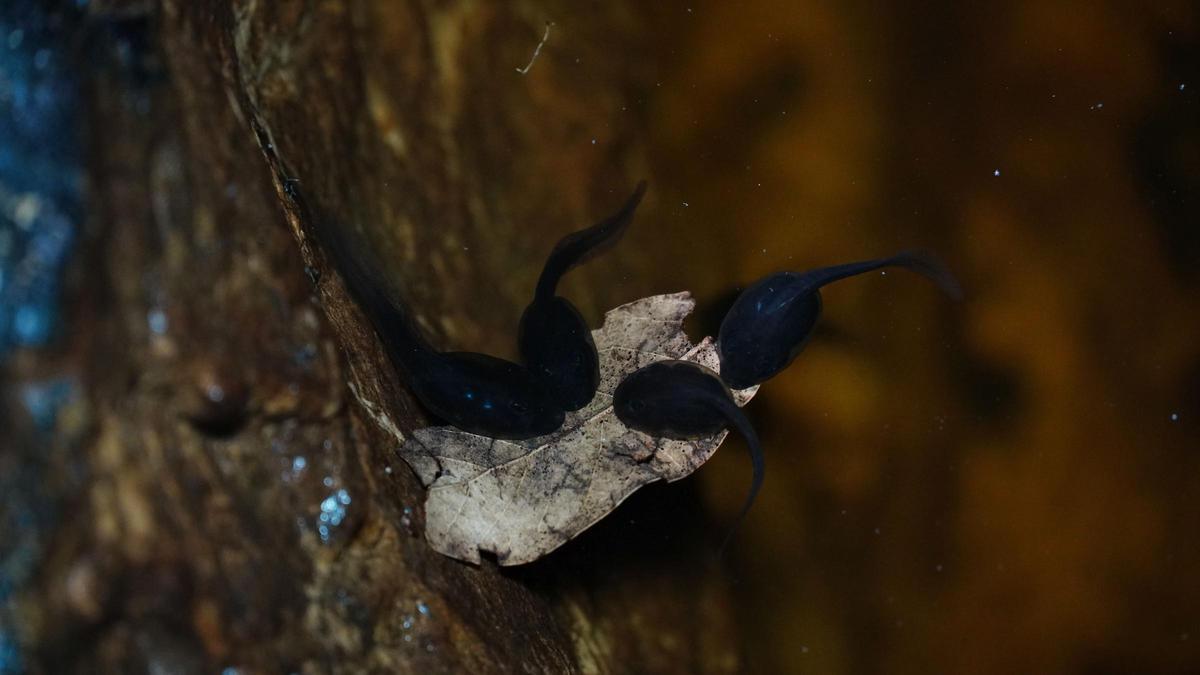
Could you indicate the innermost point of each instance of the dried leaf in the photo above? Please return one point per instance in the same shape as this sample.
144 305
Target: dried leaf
523 499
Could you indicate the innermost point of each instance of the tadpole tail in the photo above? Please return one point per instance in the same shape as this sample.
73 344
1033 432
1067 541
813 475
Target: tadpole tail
931 267
921 262
581 245
738 419
359 270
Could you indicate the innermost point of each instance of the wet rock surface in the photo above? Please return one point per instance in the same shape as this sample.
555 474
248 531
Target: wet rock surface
204 493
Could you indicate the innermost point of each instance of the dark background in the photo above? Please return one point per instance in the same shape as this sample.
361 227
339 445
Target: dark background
1012 484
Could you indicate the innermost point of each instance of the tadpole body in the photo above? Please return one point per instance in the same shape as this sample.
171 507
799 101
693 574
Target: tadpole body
554 340
682 400
475 392
771 321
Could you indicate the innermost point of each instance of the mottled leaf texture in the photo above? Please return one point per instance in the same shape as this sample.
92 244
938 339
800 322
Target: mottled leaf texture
523 499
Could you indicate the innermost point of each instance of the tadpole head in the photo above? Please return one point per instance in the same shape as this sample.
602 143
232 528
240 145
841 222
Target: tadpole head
527 414
672 399
766 328
557 347
488 396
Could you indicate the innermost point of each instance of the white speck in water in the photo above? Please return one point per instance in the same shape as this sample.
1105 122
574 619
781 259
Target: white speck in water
298 464
328 481
215 393
996 172
593 141
1181 86
685 204
387 470
422 608
1174 417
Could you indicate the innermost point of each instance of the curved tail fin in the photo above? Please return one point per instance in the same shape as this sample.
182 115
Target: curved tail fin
738 419
581 245
367 285
921 262
931 267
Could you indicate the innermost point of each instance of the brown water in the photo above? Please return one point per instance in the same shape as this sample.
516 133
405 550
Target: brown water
1011 484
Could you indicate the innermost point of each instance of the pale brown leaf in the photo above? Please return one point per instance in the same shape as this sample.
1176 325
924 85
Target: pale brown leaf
523 499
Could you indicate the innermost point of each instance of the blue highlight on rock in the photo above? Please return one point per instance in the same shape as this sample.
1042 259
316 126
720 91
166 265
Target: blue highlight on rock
41 172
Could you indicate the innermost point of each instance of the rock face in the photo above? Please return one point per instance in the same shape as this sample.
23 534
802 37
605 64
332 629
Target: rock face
220 497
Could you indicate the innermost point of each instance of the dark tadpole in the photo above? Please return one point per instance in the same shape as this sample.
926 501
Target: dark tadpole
682 400
554 340
475 392
771 321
